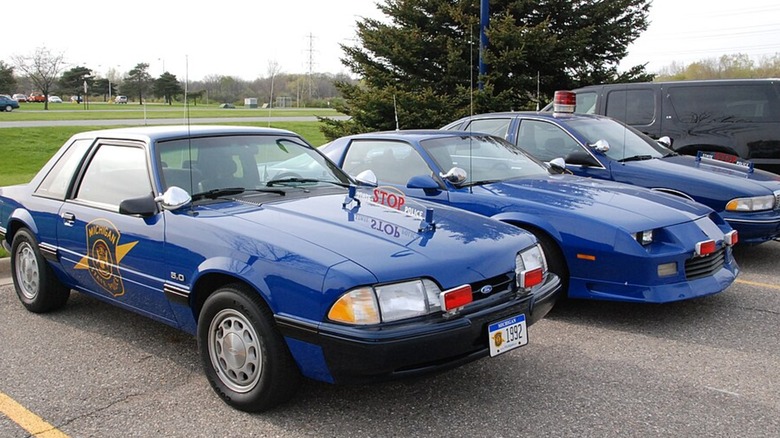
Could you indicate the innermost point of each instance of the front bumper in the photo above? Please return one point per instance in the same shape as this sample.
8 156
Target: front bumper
346 354
755 231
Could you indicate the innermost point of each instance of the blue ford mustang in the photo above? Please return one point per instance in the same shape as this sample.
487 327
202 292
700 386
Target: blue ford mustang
253 241
600 147
607 240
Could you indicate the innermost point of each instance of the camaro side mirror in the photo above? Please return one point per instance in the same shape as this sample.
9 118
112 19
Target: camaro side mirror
456 175
174 198
367 177
665 141
558 164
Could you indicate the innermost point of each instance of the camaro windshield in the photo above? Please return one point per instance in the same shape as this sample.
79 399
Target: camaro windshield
210 164
624 141
484 158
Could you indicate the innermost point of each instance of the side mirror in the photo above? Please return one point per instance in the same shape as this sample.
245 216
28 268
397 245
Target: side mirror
456 175
143 206
425 182
367 177
665 141
601 146
558 165
174 198
582 158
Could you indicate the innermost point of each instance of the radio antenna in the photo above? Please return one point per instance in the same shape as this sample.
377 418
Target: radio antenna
395 110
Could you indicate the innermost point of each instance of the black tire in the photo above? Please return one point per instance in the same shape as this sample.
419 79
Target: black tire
9 108
37 286
257 372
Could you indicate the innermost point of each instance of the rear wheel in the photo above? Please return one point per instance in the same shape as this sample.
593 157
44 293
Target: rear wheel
37 286
245 357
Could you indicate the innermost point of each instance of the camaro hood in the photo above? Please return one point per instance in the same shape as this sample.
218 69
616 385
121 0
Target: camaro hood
383 240
707 180
629 207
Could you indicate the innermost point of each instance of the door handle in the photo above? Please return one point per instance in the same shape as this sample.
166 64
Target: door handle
68 218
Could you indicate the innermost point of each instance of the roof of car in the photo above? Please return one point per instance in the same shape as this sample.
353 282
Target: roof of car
152 133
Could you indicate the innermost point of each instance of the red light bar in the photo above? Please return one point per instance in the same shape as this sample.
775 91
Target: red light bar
564 101
705 248
456 297
531 277
731 238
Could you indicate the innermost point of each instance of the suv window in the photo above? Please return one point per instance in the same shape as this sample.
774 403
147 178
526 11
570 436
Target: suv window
716 103
635 107
586 102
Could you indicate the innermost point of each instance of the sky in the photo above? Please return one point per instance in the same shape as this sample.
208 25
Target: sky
244 38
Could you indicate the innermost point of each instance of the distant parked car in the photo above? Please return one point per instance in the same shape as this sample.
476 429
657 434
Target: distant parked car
8 104
75 99
55 99
36 97
227 105
120 99
20 97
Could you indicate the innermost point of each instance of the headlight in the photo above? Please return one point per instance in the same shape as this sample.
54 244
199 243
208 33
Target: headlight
757 203
645 237
530 267
397 301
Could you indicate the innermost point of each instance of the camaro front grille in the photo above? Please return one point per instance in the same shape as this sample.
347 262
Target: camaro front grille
699 267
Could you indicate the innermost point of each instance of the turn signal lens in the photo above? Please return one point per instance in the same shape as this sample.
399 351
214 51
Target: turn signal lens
731 238
356 307
705 248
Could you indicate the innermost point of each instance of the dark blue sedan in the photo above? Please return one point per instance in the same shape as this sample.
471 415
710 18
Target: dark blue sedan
600 147
253 241
608 241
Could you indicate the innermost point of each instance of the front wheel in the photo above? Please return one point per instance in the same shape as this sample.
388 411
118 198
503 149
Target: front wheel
245 357
37 286
9 108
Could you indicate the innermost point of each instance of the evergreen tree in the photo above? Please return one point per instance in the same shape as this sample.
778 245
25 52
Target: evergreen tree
7 79
137 82
72 81
167 87
422 63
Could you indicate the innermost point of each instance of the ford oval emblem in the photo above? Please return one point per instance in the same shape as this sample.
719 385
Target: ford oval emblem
486 289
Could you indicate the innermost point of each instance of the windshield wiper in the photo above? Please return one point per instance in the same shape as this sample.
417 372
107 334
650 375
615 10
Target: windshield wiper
481 182
636 158
274 182
227 191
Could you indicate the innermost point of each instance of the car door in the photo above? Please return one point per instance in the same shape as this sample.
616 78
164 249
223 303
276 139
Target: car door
115 256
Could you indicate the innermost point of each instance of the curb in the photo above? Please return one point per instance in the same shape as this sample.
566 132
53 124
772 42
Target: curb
5 270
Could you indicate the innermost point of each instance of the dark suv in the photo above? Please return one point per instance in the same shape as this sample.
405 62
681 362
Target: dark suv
739 117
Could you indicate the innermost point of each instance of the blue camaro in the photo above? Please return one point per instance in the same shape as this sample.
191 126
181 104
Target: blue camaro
253 241
607 240
600 147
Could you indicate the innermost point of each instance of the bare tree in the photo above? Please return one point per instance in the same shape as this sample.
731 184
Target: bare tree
43 68
273 70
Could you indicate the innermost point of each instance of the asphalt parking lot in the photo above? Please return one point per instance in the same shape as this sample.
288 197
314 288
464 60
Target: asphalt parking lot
705 367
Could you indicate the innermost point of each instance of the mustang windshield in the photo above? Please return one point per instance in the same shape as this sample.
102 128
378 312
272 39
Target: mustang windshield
244 163
484 158
625 142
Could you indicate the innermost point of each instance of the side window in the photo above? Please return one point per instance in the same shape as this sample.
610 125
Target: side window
497 127
545 141
56 183
586 102
392 162
634 107
115 173
725 103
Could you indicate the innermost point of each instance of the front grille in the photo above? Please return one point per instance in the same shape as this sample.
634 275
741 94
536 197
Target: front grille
498 284
699 267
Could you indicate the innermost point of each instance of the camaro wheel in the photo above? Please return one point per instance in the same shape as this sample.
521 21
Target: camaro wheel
246 360
36 284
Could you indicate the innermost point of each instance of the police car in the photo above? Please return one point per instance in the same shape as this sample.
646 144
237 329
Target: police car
603 148
278 275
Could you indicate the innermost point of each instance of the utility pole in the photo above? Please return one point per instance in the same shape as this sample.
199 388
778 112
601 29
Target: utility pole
310 78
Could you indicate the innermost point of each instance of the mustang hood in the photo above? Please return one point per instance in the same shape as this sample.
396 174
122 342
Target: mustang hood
629 207
384 240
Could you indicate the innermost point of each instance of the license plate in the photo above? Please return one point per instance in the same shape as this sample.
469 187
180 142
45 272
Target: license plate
507 335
